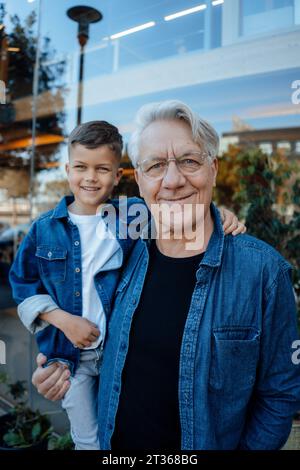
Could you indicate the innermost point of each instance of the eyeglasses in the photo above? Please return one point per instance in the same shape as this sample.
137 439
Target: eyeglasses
188 164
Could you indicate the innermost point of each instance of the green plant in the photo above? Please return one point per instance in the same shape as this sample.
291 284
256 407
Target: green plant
267 195
63 442
23 426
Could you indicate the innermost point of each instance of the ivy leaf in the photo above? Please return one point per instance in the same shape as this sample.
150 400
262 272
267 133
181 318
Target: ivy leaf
36 431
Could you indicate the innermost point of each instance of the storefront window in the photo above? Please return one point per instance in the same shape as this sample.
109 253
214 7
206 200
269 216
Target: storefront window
261 16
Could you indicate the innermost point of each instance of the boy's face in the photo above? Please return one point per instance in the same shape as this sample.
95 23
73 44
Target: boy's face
92 175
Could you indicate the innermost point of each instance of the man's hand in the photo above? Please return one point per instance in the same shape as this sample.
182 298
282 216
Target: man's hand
52 381
80 331
231 223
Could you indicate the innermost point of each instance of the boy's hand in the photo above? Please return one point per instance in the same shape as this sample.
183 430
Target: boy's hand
80 331
231 223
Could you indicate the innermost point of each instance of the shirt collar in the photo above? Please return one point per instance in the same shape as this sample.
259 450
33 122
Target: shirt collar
214 250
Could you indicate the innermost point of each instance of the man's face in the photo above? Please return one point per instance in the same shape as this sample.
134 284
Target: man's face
92 175
169 139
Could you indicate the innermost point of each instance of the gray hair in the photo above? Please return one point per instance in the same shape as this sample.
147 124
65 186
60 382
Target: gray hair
203 133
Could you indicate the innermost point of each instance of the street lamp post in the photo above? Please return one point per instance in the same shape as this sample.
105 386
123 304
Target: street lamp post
83 15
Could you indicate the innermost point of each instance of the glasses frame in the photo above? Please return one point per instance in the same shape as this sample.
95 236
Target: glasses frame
173 159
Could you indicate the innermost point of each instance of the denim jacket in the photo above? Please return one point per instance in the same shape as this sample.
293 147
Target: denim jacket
238 387
46 274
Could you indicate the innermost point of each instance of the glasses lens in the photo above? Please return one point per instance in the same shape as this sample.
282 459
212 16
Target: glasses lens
154 168
190 163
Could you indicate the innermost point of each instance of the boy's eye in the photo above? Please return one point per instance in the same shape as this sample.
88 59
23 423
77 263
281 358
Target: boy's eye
78 166
103 169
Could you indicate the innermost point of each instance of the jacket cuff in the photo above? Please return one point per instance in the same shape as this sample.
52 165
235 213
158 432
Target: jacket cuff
30 309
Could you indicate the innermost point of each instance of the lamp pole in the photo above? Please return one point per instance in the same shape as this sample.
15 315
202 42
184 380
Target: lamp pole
83 15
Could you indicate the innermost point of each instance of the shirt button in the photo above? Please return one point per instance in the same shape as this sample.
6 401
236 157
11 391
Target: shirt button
76 243
77 270
116 388
49 254
134 302
110 426
77 293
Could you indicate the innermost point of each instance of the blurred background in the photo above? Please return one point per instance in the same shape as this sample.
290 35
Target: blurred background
235 62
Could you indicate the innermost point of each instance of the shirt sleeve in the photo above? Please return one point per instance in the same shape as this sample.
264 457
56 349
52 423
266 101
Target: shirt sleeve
27 287
276 397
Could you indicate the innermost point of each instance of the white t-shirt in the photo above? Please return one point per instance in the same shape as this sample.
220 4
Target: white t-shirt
97 247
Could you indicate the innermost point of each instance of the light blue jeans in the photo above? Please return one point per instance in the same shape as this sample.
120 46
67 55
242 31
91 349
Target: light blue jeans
81 401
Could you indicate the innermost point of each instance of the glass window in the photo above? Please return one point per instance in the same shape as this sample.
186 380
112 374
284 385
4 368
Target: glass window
261 16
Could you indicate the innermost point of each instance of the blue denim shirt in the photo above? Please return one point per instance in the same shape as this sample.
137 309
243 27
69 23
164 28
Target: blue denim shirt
238 387
46 274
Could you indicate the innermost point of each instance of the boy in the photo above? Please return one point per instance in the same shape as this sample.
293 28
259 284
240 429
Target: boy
55 276
66 271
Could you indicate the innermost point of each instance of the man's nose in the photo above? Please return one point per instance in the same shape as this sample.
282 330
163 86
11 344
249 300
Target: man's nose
173 177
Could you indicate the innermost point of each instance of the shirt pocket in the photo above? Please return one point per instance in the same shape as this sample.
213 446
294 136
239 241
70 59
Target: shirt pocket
52 262
234 358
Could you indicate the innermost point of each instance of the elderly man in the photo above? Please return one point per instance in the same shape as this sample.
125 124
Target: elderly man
199 345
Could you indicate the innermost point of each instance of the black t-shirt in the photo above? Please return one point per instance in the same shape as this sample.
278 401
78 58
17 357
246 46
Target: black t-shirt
148 412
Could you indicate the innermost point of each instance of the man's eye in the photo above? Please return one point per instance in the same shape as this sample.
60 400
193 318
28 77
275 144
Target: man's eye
190 162
155 166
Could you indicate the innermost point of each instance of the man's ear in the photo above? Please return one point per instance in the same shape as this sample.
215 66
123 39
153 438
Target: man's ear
137 176
215 167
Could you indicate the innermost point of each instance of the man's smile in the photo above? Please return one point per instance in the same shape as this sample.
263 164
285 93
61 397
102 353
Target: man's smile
171 200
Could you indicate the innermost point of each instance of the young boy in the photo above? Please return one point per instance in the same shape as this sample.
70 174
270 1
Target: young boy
56 274
67 269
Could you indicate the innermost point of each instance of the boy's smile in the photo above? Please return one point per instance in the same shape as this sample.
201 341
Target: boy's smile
92 175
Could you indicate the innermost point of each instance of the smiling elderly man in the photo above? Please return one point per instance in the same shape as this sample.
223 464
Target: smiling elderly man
198 351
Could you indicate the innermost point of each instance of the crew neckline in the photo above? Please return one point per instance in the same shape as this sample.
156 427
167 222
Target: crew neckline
171 259
84 218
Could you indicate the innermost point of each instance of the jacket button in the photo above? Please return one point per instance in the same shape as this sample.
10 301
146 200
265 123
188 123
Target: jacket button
77 270
77 293
76 243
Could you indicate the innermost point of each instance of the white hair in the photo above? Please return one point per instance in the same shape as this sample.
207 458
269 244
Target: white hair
203 133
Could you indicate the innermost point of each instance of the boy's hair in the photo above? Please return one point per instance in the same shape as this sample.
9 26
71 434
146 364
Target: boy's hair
93 134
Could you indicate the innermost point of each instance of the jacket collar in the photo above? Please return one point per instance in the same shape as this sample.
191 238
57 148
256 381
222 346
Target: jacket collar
61 210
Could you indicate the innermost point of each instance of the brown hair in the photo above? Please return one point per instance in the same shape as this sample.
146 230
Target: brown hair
93 134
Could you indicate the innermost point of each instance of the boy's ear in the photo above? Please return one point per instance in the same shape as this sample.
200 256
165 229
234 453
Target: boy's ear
118 176
67 168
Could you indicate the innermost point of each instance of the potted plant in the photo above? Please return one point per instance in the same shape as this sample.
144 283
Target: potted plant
22 428
63 442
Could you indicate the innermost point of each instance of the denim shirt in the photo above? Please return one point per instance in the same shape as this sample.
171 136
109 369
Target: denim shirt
46 274
238 387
